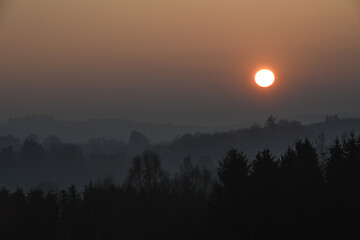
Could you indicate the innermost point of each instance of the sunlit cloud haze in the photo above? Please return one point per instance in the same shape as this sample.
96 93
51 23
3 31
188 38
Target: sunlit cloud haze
190 62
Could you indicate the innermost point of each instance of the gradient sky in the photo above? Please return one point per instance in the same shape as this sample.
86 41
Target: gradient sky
186 62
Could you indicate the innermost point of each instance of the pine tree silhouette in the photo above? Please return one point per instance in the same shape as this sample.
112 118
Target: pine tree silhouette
229 207
265 196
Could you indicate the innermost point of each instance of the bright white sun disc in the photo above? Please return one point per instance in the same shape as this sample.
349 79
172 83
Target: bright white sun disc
264 78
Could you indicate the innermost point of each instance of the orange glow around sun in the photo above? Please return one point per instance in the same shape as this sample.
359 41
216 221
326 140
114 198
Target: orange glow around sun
264 78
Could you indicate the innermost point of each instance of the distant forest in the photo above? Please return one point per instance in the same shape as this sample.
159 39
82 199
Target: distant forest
303 194
52 164
282 180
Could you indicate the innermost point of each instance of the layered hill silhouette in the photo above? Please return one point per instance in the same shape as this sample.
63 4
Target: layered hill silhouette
56 161
77 131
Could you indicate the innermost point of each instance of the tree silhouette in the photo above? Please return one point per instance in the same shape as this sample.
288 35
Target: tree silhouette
334 168
37 214
146 173
71 213
229 210
32 151
270 122
19 218
5 213
233 171
7 163
294 197
188 177
264 167
343 176
302 182
265 195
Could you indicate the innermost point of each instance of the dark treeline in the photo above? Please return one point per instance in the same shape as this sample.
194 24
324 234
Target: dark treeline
53 164
50 163
296 196
274 134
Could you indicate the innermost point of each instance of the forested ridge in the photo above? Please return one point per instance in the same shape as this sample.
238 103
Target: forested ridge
302 194
50 162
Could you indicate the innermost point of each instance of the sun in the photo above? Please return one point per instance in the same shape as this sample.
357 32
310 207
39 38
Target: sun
264 78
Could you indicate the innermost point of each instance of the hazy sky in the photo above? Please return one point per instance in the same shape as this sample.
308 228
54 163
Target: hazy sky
188 61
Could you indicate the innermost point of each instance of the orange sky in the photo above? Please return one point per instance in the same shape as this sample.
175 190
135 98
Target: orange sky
182 61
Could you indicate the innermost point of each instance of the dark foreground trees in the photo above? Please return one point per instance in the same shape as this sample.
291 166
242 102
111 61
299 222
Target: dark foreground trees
229 206
291 197
294 197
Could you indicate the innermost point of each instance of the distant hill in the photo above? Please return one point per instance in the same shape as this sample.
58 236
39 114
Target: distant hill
108 146
77 131
120 129
275 135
